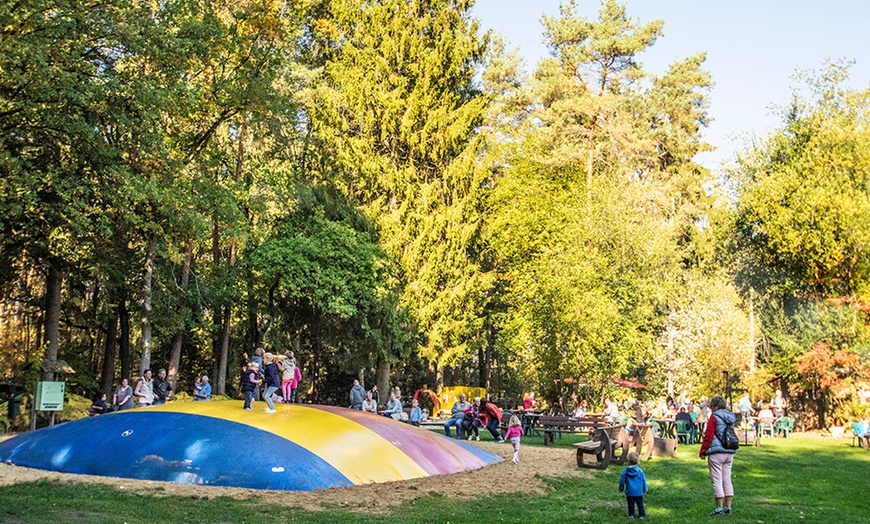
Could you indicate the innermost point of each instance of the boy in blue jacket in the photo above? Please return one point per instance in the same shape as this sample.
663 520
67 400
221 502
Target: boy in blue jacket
633 482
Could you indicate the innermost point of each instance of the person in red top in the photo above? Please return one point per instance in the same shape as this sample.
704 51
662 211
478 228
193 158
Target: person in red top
529 402
492 414
719 459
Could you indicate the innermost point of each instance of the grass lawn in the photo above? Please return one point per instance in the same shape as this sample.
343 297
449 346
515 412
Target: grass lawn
800 479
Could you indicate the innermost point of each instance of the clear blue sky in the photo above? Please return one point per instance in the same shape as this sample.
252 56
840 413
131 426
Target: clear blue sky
753 49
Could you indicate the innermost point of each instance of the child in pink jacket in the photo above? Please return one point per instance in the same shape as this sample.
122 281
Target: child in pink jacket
514 432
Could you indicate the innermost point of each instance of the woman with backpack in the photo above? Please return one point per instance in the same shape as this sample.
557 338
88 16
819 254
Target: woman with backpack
720 444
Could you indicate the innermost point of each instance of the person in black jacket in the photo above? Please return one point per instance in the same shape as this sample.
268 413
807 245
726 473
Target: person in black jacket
162 390
273 381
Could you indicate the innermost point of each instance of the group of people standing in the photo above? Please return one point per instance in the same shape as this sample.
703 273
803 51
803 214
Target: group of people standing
272 373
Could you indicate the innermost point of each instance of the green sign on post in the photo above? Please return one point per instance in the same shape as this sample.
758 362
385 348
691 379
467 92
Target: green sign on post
49 396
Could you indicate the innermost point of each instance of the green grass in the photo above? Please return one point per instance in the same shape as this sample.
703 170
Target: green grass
784 481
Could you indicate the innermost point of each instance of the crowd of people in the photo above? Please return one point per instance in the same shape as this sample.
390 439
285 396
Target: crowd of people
274 378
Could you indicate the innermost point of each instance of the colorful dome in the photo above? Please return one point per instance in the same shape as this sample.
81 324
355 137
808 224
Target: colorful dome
217 443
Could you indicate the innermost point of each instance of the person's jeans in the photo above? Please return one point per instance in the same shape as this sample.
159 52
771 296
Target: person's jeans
492 426
249 396
268 396
158 402
453 422
631 503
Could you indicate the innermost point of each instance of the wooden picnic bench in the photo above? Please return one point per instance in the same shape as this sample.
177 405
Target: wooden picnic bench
551 426
608 444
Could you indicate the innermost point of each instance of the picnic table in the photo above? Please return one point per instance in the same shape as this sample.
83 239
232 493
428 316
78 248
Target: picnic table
552 426
643 440
666 425
609 444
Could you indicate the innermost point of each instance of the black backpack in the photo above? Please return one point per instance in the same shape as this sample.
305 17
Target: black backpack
728 437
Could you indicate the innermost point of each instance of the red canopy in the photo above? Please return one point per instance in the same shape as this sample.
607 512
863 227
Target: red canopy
628 383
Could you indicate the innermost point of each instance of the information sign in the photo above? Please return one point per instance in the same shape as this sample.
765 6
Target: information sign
49 396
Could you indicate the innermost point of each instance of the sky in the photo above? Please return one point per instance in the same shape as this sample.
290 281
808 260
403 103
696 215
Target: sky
754 48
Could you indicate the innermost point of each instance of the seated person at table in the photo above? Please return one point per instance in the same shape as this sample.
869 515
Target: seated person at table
580 410
765 415
690 424
457 415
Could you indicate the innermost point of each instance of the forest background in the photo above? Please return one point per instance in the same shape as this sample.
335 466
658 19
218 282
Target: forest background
380 188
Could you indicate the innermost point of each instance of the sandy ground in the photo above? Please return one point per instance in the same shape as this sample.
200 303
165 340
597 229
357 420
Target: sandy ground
504 477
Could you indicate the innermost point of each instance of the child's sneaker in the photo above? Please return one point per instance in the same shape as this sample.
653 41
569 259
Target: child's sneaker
716 512
727 510
478 438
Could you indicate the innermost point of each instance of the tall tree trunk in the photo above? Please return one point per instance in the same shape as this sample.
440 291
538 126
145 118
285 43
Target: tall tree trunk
145 361
752 351
175 352
486 360
225 334
126 352
108 372
225 352
383 379
253 325
53 287
217 313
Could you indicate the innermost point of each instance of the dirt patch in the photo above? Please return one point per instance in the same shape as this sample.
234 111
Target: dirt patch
504 477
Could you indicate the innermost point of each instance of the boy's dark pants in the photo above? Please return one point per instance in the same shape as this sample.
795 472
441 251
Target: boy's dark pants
631 502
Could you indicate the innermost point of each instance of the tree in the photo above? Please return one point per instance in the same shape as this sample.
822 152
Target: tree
398 108
797 235
596 199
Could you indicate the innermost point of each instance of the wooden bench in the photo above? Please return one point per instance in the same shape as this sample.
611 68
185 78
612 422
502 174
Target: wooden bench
551 426
608 444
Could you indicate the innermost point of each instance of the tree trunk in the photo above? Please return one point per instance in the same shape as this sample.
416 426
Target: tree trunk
485 356
225 351
589 165
108 373
175 352
145 361
383 379
125 351
253 326
217 313
53 287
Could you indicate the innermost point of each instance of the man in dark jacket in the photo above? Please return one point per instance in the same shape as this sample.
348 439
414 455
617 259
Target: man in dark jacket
162 390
